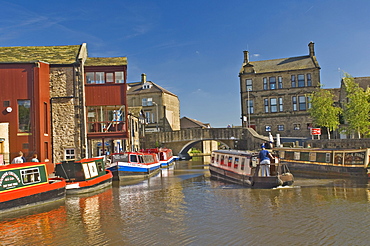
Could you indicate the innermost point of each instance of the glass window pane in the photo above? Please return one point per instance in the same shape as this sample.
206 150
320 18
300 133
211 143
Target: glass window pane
24 115
99 76
301 80
119 77
90 78
109 78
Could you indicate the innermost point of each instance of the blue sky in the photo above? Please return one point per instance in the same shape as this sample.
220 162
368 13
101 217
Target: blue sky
194 48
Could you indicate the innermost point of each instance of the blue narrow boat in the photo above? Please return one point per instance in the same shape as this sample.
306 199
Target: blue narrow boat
133 165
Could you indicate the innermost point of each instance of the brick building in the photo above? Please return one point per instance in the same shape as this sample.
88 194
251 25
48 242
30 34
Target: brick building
274 94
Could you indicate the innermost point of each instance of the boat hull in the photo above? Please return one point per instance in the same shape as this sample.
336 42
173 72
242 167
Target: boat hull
247 180
168 162
90 185
32 196
310 170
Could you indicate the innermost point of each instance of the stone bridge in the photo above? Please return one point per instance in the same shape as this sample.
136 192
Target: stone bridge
182 141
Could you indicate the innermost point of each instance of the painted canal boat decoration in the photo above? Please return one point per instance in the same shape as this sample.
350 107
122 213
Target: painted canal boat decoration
27 184
326 163
84 175
134 165
165 156
242 167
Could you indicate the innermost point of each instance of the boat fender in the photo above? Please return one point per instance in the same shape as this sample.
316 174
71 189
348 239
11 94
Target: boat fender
280 182
248 182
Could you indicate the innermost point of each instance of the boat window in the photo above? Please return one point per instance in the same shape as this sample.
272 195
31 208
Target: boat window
242 164
120 157
30 176
141 159
133 158
338 158
222 160
217 158
229 162
236 162
328 159
100 166
213 158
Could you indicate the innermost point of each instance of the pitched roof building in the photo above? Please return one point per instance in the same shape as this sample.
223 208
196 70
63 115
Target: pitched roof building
160 106
274 93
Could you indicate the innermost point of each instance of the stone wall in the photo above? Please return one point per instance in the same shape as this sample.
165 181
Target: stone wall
65 114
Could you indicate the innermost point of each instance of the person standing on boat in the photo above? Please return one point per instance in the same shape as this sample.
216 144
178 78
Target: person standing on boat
264 157
18 159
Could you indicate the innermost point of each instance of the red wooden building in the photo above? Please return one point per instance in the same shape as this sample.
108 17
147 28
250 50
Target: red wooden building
25 117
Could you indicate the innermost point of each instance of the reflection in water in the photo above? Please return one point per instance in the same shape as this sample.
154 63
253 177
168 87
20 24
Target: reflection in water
183 206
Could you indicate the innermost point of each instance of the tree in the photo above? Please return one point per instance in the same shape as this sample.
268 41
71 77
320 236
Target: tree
356 109
323 111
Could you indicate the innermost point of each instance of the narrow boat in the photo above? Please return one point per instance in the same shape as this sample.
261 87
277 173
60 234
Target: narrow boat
133 165
326 163
242 167
86 175
165 156
27 184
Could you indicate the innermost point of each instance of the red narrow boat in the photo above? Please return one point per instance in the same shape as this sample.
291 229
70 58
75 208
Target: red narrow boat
84 175
27 184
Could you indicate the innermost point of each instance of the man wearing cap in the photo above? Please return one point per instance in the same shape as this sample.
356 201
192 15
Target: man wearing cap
264 157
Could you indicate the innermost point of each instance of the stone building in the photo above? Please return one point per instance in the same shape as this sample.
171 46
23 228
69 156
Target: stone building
186 122
274 94
160 106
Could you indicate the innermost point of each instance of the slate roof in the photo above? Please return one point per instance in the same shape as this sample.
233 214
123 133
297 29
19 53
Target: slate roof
51 54
284 64
106 61
186 122
137 88
363 82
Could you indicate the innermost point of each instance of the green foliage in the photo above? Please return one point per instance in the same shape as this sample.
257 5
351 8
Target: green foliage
357 109
323 111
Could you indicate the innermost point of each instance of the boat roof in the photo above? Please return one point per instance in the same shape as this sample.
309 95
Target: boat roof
21 165
321 149
235 152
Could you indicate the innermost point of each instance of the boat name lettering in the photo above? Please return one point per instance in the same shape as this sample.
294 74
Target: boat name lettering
9 176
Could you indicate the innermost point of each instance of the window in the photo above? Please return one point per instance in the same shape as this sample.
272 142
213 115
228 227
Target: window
280 82
265 83
24 115
69 154
309 81
250 108
273 105
309 102
31 175
294 101
268 128
148 117
280 128
302 103
104 77
109 77
46 114
119 77
266 103
292 80
248 83
272 82
280 104
296 126
301 80
147 102
99 78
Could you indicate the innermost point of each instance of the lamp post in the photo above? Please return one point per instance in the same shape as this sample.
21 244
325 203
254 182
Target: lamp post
156 112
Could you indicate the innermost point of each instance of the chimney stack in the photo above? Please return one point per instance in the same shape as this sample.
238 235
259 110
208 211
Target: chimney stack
143 78
246 57
311 48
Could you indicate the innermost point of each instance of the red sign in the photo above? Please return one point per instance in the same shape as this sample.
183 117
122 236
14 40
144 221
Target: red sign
315 131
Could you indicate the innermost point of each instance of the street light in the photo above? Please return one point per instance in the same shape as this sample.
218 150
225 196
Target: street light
156 111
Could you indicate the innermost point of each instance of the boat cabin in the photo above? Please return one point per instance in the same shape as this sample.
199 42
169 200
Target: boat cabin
81 170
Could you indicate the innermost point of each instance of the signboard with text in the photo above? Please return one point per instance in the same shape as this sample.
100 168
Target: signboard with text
315 131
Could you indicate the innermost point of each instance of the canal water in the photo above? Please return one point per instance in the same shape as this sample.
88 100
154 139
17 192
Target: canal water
183 206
